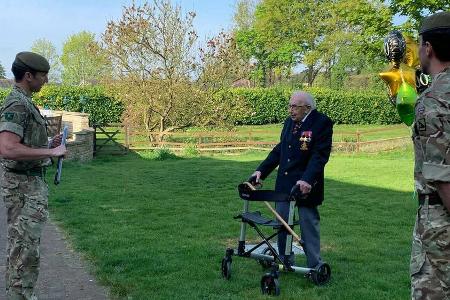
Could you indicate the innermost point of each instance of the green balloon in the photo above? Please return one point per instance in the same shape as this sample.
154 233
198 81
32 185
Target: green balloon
406 101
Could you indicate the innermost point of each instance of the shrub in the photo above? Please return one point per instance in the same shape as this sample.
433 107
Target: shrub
191 150
93 100
162 153
269 105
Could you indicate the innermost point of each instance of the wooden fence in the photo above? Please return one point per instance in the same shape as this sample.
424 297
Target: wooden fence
137 138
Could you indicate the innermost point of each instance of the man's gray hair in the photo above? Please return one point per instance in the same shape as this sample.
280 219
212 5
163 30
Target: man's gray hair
309 99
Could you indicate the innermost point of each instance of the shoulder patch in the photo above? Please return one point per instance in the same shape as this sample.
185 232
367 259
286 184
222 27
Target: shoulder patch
8 116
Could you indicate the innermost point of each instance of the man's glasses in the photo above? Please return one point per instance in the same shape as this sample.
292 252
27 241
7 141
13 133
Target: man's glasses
294 106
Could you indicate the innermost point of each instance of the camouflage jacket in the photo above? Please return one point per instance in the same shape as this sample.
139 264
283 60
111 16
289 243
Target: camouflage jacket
19 115
431 135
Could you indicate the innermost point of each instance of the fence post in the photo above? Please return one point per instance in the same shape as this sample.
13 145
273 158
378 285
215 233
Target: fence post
358 140
95 140
199 140
127 137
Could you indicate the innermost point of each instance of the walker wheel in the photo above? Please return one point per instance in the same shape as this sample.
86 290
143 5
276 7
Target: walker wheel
226 268
264 263
321 274
270 285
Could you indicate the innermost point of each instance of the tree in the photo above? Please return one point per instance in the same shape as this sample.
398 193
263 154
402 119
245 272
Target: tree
319 37
2 72
222 64
45 48
244 14
416 10
83 59
152 51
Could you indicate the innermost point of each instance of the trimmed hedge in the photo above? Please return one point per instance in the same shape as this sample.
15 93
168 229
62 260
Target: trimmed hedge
93 100
269 105
248 106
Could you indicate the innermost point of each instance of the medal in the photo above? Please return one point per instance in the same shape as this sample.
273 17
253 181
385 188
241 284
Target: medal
305 138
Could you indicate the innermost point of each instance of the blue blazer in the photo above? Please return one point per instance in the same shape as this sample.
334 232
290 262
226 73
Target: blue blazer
301 156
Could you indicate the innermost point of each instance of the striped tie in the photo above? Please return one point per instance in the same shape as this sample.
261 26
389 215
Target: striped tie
296 127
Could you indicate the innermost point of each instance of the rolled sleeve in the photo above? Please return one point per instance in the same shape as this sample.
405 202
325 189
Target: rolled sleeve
436 172
14 119
12 127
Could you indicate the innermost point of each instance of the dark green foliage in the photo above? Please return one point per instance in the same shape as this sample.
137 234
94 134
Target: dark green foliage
269 105
262 105
355 107
252 106
101 107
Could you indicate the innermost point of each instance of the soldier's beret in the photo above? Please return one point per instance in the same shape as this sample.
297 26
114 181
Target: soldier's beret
436 21
31 60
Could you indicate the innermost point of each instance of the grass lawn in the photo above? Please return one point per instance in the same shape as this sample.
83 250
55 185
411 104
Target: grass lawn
159 229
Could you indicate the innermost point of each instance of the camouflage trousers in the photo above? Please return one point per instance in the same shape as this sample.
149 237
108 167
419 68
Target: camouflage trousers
26 201
430 255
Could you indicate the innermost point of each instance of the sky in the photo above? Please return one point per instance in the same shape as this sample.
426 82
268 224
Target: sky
23 22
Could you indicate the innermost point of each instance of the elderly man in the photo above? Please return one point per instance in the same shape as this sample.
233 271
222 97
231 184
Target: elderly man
430 256
301 155
24 155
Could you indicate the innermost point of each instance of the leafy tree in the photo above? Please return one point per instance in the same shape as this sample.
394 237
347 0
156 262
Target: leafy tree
152 51
2 72
417 9
84 60
221 66
252 48
244 14
314 33
221 62
45 48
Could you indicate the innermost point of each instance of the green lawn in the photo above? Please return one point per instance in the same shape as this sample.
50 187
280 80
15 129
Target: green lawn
159 229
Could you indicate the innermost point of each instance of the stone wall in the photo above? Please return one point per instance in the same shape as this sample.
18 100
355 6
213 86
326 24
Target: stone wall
80 142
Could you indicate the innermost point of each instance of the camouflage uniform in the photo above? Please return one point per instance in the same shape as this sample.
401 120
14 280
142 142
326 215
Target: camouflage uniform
25 193
430 265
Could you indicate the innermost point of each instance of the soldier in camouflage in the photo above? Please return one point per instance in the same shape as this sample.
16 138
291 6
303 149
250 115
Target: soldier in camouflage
430 256
24 155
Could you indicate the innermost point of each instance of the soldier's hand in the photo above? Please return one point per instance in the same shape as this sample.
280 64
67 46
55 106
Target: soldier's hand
59 151
55 141
304 186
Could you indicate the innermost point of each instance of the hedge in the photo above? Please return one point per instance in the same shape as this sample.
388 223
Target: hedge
269 105
262 105
93 100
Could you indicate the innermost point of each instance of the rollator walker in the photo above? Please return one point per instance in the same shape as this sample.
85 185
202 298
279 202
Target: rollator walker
269 258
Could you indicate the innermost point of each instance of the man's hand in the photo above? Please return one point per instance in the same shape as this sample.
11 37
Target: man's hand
59 151
304 186
257 176
55 141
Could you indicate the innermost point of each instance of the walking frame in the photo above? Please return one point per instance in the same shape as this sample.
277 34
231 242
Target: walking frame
269 257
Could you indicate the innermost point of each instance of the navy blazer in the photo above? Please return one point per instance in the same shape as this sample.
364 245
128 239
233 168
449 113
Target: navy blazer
301 156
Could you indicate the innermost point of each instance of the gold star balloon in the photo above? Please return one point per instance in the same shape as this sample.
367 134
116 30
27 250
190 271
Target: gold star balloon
394 77
411 58
400 76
